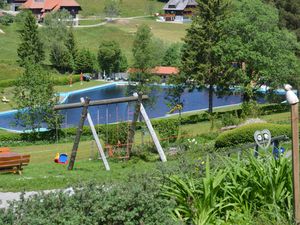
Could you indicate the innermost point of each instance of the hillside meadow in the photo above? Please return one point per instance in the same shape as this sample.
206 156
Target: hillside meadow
121 31
127 7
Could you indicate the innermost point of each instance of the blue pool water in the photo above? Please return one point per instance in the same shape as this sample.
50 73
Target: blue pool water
195 100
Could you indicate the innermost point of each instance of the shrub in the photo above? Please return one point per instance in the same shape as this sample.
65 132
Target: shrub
228 119
245 134
114 133
138 201
64 79
6 19
168 129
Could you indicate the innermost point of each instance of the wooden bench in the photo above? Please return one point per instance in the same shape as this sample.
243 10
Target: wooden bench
13 162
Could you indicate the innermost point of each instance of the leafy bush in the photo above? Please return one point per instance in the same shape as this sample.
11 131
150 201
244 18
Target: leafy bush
245 134
168 129
228 119
138 201
114 133
64 79
239 192
6 19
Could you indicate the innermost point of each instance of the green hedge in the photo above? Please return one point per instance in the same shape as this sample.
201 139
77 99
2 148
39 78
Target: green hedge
7 83
245 134
65 79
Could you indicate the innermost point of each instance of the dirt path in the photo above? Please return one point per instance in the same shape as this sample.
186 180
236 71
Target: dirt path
110 20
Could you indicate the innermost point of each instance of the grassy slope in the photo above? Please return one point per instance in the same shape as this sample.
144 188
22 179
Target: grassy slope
128 7
8 53
122 32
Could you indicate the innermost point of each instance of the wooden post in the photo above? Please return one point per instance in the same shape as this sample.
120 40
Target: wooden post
293 100
296 184
153 135
131 131
78 134
99 146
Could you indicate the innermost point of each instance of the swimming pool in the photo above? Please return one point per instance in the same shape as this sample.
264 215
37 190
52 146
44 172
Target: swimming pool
192 101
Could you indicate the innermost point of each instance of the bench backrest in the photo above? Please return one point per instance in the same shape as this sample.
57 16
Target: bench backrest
14 160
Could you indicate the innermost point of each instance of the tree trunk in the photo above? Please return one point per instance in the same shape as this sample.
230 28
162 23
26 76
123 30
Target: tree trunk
131 131
210 98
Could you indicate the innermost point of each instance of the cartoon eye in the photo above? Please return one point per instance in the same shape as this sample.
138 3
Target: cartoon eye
259 137
266 136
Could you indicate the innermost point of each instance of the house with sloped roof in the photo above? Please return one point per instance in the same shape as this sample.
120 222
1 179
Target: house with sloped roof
179 10
41 7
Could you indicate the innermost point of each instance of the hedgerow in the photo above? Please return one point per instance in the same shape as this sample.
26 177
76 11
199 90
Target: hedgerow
245 134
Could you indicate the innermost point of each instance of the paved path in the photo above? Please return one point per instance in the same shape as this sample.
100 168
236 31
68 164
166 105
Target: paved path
6 197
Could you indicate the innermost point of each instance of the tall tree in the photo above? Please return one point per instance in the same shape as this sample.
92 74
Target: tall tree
142 54
60 40
70 43
31 47
172 55
85 61
202 61
35 97
109 57
289 14
61 57
255 42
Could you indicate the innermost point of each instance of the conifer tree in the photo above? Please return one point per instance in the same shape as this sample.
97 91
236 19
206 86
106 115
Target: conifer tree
31 47
201 60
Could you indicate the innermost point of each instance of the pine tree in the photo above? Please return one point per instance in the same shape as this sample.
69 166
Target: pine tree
201 61
71 44
31 47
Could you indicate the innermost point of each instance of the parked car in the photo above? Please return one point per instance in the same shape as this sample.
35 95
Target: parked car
87 77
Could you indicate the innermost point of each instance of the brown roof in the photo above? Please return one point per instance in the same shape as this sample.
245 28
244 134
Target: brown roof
158 70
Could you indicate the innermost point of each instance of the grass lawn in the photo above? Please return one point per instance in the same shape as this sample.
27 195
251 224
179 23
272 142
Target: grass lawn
43 173
91 22
127 7
78 86
168 32
8 53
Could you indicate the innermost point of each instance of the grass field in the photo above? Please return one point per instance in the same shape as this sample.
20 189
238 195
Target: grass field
8 53
127 7
43 173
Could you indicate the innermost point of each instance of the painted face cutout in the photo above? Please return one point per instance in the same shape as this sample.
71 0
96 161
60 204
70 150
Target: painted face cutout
263 138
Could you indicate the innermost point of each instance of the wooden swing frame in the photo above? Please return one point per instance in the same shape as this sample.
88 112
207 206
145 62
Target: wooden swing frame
85 103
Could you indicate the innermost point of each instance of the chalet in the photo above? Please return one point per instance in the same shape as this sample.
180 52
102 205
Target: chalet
179 10
41 7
